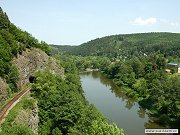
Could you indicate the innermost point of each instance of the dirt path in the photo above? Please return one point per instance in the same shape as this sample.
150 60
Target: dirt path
5 110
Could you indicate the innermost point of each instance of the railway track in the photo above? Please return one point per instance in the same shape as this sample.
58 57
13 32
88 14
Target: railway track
5 110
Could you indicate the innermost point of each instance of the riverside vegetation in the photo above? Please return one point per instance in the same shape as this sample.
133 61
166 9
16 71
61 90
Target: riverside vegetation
136 63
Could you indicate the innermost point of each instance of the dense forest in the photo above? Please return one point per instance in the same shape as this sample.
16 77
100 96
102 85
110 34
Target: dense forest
137 64
147 82
128 45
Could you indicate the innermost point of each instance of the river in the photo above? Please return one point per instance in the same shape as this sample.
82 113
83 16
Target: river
109 99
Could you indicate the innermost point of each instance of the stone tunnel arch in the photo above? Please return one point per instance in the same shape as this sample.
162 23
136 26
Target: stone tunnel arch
31 79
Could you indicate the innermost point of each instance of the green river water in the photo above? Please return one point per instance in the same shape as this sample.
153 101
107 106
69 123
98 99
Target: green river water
117 107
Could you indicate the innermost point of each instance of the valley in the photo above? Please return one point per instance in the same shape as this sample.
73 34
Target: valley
113 85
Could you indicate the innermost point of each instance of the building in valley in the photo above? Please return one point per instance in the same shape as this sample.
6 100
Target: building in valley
173 67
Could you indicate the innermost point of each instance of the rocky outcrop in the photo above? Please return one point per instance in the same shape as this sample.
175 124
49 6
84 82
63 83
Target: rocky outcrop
3 90
32 60
34 119
29 118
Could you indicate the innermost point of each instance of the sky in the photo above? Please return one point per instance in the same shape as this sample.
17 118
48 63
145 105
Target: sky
73 22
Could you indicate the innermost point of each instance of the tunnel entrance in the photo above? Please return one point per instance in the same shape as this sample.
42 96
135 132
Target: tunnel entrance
32 79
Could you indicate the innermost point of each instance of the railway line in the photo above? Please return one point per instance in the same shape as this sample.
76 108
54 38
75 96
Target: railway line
5 110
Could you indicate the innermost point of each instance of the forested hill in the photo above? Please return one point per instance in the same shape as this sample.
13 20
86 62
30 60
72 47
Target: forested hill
127 45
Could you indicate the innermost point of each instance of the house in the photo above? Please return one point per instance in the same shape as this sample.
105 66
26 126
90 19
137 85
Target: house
173 67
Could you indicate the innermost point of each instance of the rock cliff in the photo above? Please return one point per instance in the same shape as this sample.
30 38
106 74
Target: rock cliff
32 60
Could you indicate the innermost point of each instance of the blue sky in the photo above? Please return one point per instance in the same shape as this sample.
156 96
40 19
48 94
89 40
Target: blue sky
78 21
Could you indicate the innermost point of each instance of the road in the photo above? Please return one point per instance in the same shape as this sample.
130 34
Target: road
5 110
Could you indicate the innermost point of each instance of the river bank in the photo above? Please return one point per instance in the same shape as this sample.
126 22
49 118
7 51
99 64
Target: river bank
88 70
115 105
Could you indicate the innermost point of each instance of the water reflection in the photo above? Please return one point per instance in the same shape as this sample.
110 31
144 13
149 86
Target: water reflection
113 87
111 101
141 112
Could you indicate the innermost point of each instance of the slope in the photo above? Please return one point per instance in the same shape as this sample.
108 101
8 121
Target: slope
13 41
128 45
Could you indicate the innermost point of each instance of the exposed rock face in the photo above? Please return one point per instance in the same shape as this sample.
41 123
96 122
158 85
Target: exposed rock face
29 117
3 90
32 60
34 119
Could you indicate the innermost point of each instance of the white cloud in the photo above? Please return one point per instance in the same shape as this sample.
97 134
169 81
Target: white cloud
141 21
175 24
152 20
164 20
168 22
